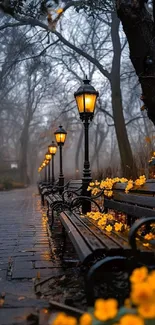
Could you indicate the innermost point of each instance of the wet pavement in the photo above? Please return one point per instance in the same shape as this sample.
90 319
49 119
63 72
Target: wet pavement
25 254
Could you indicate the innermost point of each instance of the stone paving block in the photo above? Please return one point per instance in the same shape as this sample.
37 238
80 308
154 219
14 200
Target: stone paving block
22 265
26 273
3 266
3 274
22 288
14 316
42 257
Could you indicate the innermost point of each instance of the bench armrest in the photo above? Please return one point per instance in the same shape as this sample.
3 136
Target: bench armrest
135 227
69 191
78 201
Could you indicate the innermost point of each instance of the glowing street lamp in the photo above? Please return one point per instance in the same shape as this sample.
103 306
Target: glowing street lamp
52 149
60 136
48 157
86 97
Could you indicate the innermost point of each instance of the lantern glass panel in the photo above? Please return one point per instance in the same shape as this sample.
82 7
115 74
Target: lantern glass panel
60 137
48 156
86 103
52 150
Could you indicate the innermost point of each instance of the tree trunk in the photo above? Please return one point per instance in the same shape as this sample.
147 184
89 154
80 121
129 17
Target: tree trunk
23 154
139 29
128 166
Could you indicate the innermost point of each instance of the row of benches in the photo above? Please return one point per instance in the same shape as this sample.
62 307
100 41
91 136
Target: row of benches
97 249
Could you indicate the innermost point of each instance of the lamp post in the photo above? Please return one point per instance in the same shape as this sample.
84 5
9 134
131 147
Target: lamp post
44 166
48 157
86 97
52 149
60 136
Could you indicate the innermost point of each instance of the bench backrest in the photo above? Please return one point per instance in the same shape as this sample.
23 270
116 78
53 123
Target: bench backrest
139 202
75 184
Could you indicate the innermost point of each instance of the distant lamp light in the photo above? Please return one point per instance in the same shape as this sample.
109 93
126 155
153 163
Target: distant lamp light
52 148
60 135
48 156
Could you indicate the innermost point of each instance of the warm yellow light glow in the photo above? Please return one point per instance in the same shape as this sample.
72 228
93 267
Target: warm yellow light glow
86 103
48 156
60 137
52 149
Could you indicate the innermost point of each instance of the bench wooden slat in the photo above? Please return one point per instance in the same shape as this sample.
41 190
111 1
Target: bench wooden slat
103 237
93 242
82 249
142 200
147 188
129 209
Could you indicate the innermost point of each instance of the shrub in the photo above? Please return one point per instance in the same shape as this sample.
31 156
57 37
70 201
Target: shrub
17 185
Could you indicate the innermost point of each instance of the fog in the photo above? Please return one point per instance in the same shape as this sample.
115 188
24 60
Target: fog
39 73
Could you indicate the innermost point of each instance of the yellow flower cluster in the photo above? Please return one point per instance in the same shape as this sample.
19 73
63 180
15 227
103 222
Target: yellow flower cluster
149 236
143 292
140 181
63 319
129 186
107 185
106 221
139 308
105 309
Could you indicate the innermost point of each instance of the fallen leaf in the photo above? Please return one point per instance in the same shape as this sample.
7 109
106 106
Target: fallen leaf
21 298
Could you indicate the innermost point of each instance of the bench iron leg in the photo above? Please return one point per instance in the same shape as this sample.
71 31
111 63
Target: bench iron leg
90 278
42 200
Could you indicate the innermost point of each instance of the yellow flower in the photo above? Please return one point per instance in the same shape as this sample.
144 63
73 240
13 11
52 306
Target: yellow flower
59 11
95 190
139 275
146 244
147 310
102 222
108 193
97 183
123 180
109 216
131 320
86 319
91 184
108 228
129 186
142 293
140 181
89 188
105 309
118 226
63 319
149 236
94 215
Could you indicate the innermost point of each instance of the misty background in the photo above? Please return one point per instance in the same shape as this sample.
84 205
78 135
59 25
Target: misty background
38 77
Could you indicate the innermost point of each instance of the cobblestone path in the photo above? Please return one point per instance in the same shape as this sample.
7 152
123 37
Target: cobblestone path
24 252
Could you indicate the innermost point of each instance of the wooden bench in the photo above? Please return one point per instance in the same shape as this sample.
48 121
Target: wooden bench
55 201
98 250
